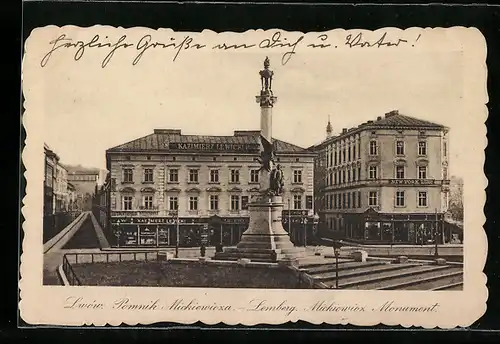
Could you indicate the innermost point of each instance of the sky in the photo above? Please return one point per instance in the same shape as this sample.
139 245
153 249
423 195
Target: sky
88 109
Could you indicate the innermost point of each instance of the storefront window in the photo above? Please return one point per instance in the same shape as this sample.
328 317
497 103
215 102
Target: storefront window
387 231
147 236
372 231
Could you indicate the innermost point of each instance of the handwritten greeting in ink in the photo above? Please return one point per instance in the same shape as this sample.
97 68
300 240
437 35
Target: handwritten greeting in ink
278 41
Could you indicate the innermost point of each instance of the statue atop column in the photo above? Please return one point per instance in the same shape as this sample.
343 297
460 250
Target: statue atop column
266 79
271 174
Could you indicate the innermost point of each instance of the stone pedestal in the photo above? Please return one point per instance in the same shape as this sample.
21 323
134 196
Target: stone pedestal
265 240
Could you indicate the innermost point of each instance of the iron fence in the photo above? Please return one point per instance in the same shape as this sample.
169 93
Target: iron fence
70 273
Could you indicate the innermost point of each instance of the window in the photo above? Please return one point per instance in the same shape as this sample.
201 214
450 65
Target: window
235 202
349 153
400 172
422 172
193 203
354 152
372 172
343 154
148 202
354 200
343 201
343 176
254 176
445 149
148 175
309 202
297 201
334 178
127 202
335 158
400 148
400 198
348 200
128 175
353 174
297 176
373 198
373 148
214 202
173 203
173 176
349 175
422 199
214 176
244 202
359 199
422 148
193 176
235 176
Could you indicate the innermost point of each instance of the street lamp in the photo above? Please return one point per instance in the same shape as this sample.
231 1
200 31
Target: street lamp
176 214
304 222
336 250
118 233
436 254
315 224
289 220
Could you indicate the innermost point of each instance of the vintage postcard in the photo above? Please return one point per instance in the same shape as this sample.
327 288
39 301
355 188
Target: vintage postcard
254 178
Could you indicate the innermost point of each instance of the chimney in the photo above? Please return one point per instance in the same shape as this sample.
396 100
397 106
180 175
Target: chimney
246 132
344 130
168 131
392 113
369 122
379 118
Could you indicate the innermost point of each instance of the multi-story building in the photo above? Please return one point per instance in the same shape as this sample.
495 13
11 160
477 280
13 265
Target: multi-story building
50 183
167 178
84 180
61 189
384 181
72 205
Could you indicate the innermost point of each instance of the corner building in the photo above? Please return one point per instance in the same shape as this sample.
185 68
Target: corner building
384 181
203 183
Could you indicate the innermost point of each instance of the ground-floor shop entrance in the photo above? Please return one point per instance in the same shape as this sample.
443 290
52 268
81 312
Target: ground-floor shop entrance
412 229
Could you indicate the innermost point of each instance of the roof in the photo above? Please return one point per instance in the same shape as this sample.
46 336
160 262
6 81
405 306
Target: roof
162 140
391 120
79 169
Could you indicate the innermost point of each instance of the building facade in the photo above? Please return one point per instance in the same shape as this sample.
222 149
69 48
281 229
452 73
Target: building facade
84 180
50 183
58 196
61 189
168 183
385 181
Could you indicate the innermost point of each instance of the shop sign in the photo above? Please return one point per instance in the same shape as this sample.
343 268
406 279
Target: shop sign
416 182
215 147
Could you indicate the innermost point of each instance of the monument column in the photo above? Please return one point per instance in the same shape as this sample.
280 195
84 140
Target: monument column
265 240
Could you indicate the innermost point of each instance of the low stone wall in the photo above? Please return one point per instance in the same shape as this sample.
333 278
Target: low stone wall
389 251
63 236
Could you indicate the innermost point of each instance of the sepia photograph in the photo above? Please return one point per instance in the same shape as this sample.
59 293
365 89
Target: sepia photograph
266 160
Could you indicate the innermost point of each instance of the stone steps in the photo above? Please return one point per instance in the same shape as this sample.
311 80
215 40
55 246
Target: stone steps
362 271
319 268
450 287
393 277
449 277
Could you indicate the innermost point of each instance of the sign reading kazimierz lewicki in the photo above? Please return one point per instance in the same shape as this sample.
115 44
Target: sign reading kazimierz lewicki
184 131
